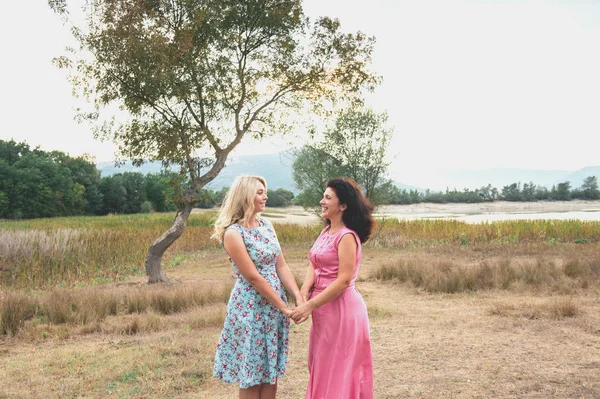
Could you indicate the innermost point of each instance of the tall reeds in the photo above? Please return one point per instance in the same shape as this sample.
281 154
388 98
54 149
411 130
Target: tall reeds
403 233
449 277
90 306
44 253
65 251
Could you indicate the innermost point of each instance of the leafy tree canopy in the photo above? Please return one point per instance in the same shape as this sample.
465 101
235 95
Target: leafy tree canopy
355 146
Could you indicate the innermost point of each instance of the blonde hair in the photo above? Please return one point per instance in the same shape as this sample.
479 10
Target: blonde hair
238 204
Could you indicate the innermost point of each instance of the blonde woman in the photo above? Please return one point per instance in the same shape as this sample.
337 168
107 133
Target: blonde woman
252 349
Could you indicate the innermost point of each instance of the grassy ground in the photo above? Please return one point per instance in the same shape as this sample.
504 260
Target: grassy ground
535 337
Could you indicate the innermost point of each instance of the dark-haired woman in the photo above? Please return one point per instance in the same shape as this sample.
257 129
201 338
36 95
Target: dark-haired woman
340 363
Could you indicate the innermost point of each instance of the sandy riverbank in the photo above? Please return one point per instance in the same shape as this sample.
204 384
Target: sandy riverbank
296 214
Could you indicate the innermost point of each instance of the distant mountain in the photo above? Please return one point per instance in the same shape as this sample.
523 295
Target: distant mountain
407 187
576 178
109 168
277 169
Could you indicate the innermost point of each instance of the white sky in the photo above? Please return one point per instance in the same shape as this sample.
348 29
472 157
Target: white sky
467 84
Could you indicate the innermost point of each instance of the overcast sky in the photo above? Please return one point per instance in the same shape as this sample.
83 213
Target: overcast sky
467 84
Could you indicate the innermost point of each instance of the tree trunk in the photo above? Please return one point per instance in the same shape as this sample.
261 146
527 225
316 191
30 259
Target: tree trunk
158 247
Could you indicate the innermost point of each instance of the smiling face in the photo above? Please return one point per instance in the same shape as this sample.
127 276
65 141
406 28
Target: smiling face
330 205
260 199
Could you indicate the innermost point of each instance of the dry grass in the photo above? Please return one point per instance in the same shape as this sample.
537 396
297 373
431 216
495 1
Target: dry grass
527 328
15 308
543 272
549 308
91 306
45 253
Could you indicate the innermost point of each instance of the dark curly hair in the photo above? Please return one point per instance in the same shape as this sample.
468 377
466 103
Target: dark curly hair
358 214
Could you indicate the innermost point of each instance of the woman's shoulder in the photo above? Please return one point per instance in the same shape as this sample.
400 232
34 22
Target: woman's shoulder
234 227
346 231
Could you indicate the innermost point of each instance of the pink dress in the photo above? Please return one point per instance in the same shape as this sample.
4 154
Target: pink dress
340 363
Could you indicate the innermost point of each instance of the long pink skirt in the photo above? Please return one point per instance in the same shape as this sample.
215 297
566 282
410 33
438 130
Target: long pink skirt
340 362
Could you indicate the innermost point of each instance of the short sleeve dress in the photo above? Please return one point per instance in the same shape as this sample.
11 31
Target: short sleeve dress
253 345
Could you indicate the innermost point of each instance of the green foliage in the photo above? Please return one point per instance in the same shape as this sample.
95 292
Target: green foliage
220 195
114 191
488 193
206 199
159 192
146 207
136 195
197 76
35 183
280 197
542 193
512 192
561 192
313 167
528 192
405 197
354 147
589 189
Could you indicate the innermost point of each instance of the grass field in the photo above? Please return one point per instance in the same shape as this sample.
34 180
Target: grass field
501 310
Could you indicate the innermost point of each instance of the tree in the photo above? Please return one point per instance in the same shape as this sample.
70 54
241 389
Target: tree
512 192
198 76
589 188
135 196
280 197
42 187
114 193
220 195
528 192
486 193
158 191
542 193
84 172
7 182
36 183
206 199
355 147
561 192
312 168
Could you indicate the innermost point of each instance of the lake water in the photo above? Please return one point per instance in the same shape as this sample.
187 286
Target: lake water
492 217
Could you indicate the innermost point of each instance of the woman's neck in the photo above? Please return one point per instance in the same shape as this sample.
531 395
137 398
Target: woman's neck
335 225
252 222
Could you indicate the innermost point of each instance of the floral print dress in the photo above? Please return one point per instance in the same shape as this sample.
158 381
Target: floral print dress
253 345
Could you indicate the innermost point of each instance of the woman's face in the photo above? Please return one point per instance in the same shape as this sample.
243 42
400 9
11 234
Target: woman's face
330 204
260 199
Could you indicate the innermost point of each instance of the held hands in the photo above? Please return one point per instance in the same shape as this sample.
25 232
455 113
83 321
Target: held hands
303 309
300 314
287 311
